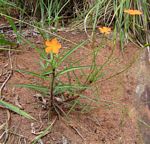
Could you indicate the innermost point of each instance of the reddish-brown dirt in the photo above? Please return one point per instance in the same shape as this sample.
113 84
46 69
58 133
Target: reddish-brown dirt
112 121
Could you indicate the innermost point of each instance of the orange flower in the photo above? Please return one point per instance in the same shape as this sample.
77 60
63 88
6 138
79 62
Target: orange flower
52 46
133 12
105 30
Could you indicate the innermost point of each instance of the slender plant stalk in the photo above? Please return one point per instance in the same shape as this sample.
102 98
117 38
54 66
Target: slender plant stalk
51 99
93 62
52 88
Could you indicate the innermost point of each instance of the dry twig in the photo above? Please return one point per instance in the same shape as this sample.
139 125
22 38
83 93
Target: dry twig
77 131
10 72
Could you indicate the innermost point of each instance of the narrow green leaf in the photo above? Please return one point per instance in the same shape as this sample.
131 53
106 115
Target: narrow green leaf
70 52
35 87
16 109
43 133
46 72
64 87
147 45
13 25
8 49
3 42
70 86
32 73
71 69
11 22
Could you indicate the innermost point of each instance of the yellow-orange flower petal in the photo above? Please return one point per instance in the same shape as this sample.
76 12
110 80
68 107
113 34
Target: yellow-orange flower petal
132 12
52 46
48 49
55 50
105 30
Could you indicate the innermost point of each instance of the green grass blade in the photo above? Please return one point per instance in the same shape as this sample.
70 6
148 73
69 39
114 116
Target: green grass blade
32 73
43 133
147 45
70 52
71 69
48 72
11 22
35 87
16 110
3 42
65 86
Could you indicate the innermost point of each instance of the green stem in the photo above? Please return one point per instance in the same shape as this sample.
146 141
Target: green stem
51 99
93 62
52 88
